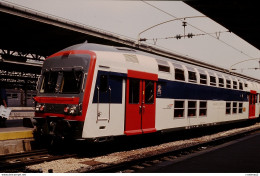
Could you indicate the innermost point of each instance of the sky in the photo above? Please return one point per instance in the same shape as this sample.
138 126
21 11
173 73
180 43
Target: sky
129 18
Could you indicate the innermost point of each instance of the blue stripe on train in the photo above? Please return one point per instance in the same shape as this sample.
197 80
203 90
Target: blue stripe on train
168 89
182 90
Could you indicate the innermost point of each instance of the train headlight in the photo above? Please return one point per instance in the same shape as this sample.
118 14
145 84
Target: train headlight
72 109
66 109
40 108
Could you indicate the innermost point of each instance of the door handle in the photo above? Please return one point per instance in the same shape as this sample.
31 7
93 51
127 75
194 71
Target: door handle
140 109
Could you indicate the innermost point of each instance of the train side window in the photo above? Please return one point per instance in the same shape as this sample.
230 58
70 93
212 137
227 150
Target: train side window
203 108
212 80
220 82
14 96
29 96
163 68
103 86
192 77
240 108
240 86
234 85
134 88
203 79
178 108
9 96
228 83
179 74
234 107
149 92
192 108
228 107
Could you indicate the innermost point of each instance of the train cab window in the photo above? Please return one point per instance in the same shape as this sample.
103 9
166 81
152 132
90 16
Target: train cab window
228 107
134 88
234 84
179 74
71 82
234 107
228 83
49 82
178 108
192 76
220 82
192 108
213 81
149 92
240 108
203 79
240 86
203 108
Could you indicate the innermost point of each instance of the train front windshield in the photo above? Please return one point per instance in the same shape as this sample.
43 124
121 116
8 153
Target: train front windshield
63 82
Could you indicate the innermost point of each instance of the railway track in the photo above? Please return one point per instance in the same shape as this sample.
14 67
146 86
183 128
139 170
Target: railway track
17 162
138 165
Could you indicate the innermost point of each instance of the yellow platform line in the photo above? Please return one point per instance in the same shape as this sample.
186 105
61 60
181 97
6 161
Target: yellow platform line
16 135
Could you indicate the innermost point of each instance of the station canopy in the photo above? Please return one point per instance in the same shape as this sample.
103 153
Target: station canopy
28 37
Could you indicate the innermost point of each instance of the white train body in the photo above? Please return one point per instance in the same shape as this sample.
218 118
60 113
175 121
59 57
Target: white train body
127 92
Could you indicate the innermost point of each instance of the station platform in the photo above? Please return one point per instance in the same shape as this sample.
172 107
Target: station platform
15 133
15 138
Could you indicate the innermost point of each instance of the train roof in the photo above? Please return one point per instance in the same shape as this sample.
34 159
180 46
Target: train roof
176 59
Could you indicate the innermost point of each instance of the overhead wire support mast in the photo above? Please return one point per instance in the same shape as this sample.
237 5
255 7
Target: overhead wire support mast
183 18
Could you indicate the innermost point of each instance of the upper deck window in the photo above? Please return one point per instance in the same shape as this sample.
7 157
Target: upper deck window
240 86
163 66
203 77
221 82
228 83
179 72
234 84
191 75
212 80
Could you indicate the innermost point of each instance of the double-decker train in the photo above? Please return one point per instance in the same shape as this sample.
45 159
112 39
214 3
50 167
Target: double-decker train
97 92
20 98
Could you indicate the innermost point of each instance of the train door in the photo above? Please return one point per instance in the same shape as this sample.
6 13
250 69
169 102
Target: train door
140 106
252 101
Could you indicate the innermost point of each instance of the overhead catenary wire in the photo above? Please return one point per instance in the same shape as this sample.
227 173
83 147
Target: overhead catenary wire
178 36
238 50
